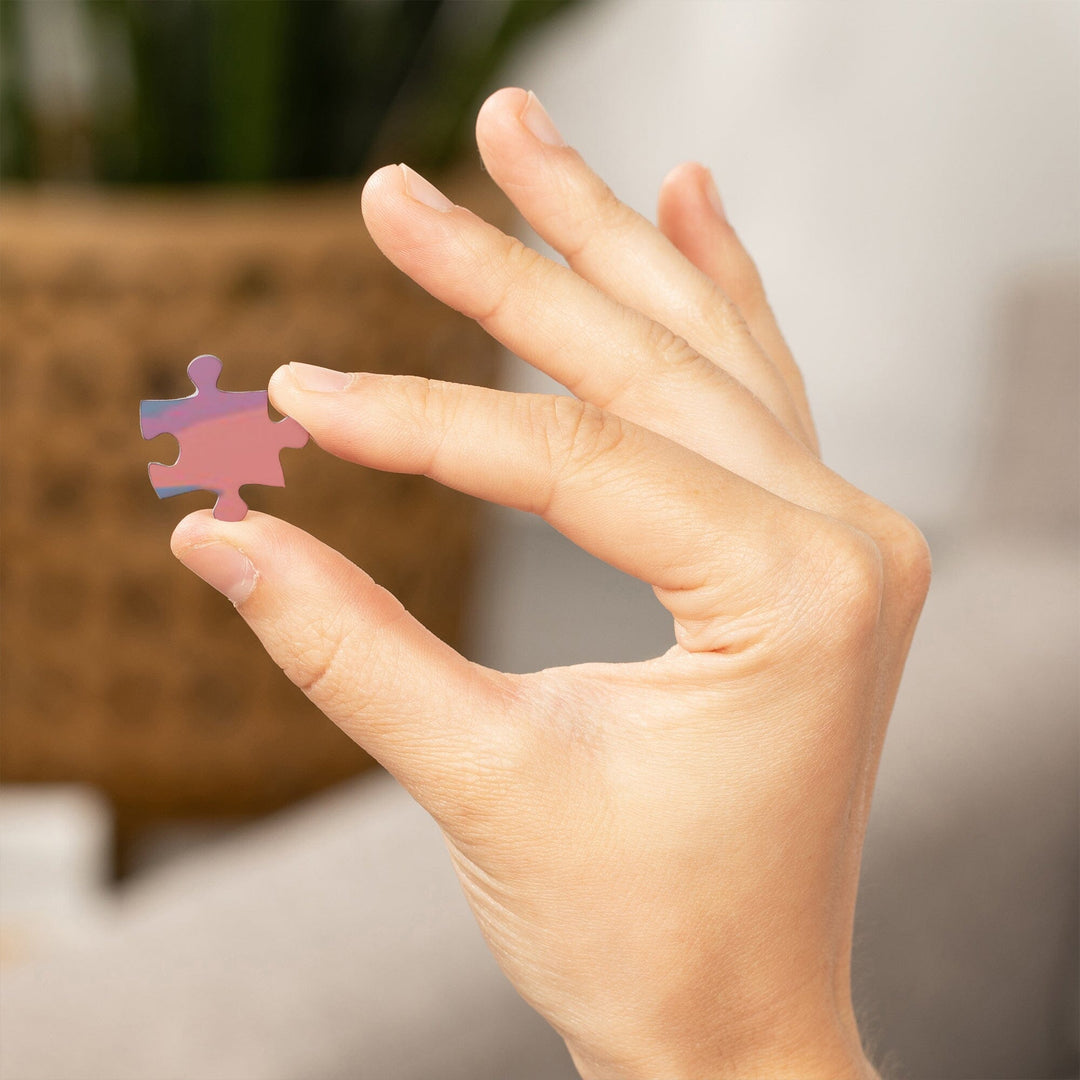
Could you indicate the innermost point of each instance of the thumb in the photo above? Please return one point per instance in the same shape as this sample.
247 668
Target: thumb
435 720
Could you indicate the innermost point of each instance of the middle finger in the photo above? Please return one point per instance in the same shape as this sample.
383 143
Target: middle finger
618 250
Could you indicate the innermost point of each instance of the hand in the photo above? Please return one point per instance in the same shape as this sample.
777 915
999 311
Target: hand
663 856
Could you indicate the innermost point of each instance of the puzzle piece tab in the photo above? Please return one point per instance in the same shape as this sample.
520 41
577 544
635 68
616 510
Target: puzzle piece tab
226 439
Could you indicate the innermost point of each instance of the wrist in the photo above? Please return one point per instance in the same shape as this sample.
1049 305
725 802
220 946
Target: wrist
823 1062
828 1049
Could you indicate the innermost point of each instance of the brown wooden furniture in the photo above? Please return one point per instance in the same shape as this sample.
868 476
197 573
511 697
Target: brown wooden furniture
119 667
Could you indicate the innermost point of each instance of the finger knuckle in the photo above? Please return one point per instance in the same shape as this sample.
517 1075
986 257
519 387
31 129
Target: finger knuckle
846 568
505 269
908 563
414 400
725 316
518 259
414 392
316 660
428 410
336 661
590 211
316 664
669 350
575 434
612 213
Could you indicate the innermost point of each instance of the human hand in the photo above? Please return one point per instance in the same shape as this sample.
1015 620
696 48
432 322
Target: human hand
663 856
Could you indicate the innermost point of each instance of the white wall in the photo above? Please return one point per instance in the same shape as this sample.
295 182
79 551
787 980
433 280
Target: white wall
895 169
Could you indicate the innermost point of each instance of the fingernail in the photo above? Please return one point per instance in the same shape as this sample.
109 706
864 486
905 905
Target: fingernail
224 567
534 116
313 377
416 187
714 196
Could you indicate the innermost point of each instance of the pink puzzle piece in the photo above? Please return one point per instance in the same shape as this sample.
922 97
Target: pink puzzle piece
226 439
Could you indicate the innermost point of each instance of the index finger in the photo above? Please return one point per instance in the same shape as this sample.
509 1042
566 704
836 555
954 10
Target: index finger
711 542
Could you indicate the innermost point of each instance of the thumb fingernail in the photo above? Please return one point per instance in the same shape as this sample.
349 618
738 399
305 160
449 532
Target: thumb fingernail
313 377
714 196
224 567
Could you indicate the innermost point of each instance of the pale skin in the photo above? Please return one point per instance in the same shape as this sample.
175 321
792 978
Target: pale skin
663 856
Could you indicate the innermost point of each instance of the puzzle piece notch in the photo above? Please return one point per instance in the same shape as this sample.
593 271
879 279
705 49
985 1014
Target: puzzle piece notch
226 438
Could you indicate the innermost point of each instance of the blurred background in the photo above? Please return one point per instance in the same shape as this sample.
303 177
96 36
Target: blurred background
199 875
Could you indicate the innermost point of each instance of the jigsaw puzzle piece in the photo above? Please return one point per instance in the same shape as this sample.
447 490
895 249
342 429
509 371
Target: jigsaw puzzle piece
230 507
227 439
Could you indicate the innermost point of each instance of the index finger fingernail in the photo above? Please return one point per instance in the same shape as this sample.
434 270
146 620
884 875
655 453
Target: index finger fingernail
534 116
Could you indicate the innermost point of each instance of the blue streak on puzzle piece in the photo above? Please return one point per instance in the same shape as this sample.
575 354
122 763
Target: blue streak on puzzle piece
180 489
159 416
